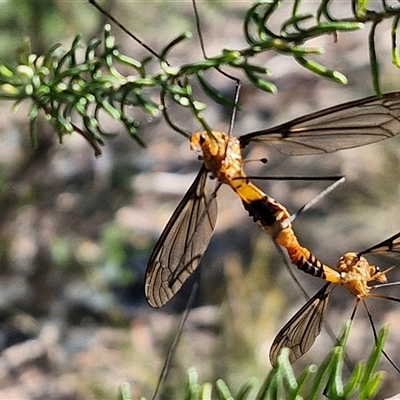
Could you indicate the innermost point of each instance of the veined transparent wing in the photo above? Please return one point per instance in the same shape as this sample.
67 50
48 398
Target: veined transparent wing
391 245
344 126
300 332
182 244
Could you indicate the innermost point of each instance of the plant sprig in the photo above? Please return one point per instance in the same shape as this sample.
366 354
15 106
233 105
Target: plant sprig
74 94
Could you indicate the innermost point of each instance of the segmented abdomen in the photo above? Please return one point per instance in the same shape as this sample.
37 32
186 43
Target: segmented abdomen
274 219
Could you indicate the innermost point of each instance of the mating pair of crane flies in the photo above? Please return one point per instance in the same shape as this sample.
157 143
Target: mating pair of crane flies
185 238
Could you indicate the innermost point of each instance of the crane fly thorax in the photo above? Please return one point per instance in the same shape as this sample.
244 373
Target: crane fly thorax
221 154
356 273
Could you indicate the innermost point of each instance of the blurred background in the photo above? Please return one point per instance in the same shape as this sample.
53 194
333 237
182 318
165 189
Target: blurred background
76 232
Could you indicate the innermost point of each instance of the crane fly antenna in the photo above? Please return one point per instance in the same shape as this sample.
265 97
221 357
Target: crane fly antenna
124 29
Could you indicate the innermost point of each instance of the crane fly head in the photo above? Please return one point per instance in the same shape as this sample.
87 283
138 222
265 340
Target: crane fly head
221 153
356 273
212 145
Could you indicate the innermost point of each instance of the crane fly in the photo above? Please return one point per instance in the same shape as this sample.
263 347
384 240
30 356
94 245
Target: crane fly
356 274
185 238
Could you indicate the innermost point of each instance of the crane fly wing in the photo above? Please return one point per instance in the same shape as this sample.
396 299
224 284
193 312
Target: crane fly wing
182 244
391 245
300 332
340 127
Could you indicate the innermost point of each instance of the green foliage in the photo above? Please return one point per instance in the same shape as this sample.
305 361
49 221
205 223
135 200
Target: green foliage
65 89
313 383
